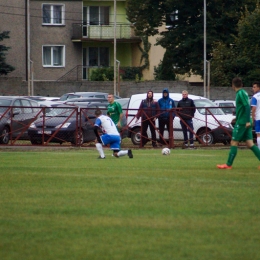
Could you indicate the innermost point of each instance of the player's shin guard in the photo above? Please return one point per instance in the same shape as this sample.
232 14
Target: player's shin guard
256 151
232 155
100 150
122 153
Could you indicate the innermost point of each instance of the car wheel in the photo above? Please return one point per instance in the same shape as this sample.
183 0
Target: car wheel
5 136
226 142
35 142
136 136
206 137
78 137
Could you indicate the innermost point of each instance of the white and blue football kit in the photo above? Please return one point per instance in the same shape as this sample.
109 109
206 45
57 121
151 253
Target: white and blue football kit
110 136
110 132
255 102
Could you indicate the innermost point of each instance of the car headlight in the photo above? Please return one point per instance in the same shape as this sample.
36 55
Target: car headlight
226 124
66 125
32 125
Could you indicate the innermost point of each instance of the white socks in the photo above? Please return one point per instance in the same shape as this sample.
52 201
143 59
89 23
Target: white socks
122 153
100 150
258 142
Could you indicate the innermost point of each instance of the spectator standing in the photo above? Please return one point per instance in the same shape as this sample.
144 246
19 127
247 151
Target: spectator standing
243 128
110 136
148 110
165 104
255 104
114 110
187 111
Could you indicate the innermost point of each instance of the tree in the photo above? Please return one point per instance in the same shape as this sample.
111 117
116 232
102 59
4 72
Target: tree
4 67
241 58
184 38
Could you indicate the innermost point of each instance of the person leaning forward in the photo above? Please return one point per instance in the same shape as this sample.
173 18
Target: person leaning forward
148 110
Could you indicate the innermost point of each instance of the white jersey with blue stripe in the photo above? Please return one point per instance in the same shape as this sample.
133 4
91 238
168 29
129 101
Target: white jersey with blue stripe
255 102
107 125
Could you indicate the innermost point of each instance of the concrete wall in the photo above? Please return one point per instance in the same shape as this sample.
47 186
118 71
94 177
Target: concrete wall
13 19
16 86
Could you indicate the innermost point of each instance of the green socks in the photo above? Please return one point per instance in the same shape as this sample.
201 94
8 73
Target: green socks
232 155
256 151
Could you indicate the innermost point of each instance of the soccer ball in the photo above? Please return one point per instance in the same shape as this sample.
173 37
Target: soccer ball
166 151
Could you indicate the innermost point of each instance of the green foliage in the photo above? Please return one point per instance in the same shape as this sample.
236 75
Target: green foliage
131 73
102 74
165 69
4 67
184 39
242 57
222 65
66 204
107 73
145 52
146 15
158 71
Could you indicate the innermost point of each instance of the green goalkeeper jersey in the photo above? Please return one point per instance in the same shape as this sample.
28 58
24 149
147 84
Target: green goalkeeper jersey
114 110
242 107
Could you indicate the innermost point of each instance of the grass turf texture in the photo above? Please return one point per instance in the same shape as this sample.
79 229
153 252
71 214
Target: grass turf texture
66 204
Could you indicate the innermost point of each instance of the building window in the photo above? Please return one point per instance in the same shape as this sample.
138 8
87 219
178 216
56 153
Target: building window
172 19
53 14
53 56
96 15
98 56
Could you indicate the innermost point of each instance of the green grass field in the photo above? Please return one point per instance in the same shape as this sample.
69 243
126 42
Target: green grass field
66 204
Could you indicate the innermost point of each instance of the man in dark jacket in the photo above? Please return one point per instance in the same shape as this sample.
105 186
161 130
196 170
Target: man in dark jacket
186 114
148 110
165 103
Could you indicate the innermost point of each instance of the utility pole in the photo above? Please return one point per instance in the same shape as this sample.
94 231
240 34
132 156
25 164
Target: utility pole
205 51
28 49
114 47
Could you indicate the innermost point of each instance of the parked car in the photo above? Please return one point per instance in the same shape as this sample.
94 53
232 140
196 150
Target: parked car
42 98
48 105
67 123
85 95
228 106
206 126
84 100
16 114
123 102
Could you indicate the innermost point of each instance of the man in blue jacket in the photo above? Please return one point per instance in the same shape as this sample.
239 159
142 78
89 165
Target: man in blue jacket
165 103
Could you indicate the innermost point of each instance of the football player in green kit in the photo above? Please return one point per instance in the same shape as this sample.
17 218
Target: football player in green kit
243 127
114 111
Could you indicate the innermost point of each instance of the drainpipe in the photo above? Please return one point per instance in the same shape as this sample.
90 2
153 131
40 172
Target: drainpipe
114 47
118 78
28 49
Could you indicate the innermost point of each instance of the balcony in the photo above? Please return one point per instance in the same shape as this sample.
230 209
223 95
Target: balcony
93 33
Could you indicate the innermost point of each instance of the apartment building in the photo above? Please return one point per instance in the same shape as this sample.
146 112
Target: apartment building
66 39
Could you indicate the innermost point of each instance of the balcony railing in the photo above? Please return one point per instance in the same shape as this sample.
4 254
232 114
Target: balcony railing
103 32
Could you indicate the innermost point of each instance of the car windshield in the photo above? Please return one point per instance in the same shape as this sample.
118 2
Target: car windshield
201 103
228 108
58 111
3 104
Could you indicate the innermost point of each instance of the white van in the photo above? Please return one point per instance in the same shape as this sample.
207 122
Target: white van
211 128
